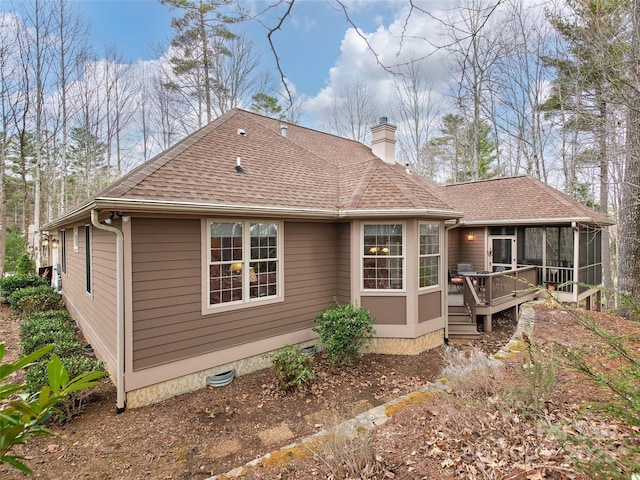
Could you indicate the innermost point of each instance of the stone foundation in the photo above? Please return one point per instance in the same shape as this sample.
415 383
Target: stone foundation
196 381
406 346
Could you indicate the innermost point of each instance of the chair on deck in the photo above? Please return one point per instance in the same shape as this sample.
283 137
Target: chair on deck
455 281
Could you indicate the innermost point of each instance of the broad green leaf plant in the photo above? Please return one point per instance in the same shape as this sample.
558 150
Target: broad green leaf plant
23 415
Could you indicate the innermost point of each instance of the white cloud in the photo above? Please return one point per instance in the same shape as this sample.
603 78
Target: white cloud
371 56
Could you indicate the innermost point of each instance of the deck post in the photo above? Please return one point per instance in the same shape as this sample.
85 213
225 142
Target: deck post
599 300
488 318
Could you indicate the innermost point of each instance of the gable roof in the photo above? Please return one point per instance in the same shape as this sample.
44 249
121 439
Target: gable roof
305 173
518 200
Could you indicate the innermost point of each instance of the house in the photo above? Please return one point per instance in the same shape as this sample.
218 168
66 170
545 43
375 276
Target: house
521 231
223 249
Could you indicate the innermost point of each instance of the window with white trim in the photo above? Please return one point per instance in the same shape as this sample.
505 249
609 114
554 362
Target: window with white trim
87 257
429 254
383 256
63 250
244 261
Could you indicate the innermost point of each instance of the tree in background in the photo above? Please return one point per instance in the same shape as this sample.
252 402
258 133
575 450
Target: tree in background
465 152
416 111
88 170
588 84
629 237
352 112
199 45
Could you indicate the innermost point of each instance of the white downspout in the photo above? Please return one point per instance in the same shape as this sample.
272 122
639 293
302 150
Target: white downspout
120 391
446 289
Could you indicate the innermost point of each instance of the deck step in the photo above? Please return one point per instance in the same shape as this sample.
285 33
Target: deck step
462 326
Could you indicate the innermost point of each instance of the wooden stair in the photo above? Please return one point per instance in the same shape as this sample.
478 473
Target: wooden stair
461 325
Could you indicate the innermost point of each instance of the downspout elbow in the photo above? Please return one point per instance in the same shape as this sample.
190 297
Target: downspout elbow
120 388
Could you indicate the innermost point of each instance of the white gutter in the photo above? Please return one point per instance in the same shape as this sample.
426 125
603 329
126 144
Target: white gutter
195 208
531 221
120 391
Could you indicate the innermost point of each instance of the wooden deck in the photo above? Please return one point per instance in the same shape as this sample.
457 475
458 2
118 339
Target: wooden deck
484 295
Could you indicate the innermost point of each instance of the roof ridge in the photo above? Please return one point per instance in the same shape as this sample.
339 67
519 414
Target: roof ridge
363 183
485 180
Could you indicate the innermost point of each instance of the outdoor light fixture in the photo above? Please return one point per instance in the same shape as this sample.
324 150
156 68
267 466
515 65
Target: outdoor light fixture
45 241
471 236
54 243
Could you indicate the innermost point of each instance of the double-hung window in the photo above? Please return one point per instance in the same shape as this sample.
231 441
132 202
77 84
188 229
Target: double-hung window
383 256
244 261
429 254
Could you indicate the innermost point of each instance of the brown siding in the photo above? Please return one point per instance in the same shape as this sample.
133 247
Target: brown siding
344 263
96 312
429 306
471 252
167 321
387 310
454 248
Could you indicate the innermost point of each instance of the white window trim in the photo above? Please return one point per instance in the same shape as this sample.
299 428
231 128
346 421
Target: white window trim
75 239
207 308
403 257
439 255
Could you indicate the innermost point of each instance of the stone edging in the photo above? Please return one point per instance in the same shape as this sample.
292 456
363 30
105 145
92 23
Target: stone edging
379 415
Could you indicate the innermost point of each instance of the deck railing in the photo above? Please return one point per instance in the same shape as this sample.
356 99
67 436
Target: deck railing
499 287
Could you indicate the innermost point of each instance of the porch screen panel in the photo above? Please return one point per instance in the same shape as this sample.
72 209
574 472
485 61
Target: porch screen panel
530 245
559 247
383 256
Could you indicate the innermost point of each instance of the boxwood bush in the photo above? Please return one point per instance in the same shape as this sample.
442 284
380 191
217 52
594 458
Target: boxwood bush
75 365
10 284
54 328
344 330
45 321
35 299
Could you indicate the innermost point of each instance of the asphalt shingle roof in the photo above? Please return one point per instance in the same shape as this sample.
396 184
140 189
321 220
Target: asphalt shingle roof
306 169
521 199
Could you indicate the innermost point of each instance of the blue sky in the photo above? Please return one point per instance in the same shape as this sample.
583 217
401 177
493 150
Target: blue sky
309 43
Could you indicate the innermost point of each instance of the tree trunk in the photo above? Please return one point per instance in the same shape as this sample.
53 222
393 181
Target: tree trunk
629 238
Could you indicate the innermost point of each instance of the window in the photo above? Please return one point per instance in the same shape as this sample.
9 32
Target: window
75 239
429 254
87 256
244 261
63 251
383 256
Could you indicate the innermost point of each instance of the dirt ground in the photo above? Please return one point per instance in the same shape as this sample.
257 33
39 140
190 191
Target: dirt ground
214 430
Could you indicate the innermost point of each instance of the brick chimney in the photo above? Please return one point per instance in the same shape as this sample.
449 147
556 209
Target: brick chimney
383 141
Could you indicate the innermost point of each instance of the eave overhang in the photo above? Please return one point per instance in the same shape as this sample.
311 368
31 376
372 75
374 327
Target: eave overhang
131 206
535 221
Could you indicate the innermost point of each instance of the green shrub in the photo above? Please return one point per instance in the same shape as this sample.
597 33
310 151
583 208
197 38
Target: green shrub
344 330
26 265
24 416
65 342
45 321
10 284
15 247
35 299
538 379
293 368
622 406
76 365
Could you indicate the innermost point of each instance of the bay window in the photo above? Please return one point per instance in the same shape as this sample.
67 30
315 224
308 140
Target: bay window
383 256
429 254
244 261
